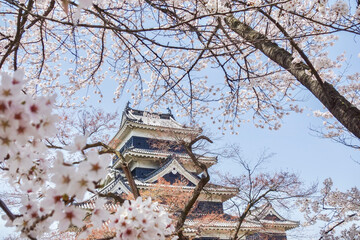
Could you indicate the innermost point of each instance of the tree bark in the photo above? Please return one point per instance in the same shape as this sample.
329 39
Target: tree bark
345 112
107 149
7 211
205 178
135 191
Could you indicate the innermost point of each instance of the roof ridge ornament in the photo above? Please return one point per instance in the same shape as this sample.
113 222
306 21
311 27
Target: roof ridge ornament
128 105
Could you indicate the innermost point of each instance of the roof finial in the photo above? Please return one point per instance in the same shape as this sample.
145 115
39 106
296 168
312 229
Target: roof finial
169 111
128 105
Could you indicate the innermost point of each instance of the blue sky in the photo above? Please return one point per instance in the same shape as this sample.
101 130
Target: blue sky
298 150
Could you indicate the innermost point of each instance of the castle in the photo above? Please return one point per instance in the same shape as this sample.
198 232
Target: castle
160 166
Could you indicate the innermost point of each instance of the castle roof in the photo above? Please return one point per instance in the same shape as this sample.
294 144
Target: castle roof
150 119
267 215
268 218
171 167
174 167
164 154
133 118
117 185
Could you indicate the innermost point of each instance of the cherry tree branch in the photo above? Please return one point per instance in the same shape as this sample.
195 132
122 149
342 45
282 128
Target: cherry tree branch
123 164
336 225
14 44
114 196
296 46
343 110
106 149
7 211
205 178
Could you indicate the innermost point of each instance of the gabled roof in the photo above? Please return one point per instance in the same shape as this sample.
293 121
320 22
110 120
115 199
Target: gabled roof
228 223
118 185
171 166
265 210
266 214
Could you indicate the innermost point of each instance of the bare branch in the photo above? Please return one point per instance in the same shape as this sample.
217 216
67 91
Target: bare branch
7 211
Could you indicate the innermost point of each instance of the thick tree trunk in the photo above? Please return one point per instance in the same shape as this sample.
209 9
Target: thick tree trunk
345 112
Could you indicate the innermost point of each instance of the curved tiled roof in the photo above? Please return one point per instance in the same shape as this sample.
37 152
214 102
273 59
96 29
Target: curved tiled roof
141 183
210 190
160 154
165 169
260 213
133 118
152 119
220 222
110 186
207 222
183 156
148 119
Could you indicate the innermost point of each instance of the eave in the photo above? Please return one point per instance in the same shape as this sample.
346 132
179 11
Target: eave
226 193
161 155
129 125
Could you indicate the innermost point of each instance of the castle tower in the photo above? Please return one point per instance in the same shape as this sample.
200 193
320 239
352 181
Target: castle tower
149 143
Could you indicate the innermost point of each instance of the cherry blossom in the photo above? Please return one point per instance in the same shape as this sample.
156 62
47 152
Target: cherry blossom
333 209
138 219
70 216
78 145
51 191
99 213
340 7
155 63
357 14
217 6
96 166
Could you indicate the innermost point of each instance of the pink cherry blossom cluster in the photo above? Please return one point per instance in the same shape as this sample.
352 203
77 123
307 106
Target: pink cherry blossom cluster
340 7
313 25
357 14
138 219
24 123
217 6
331 208
53 182
141 220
